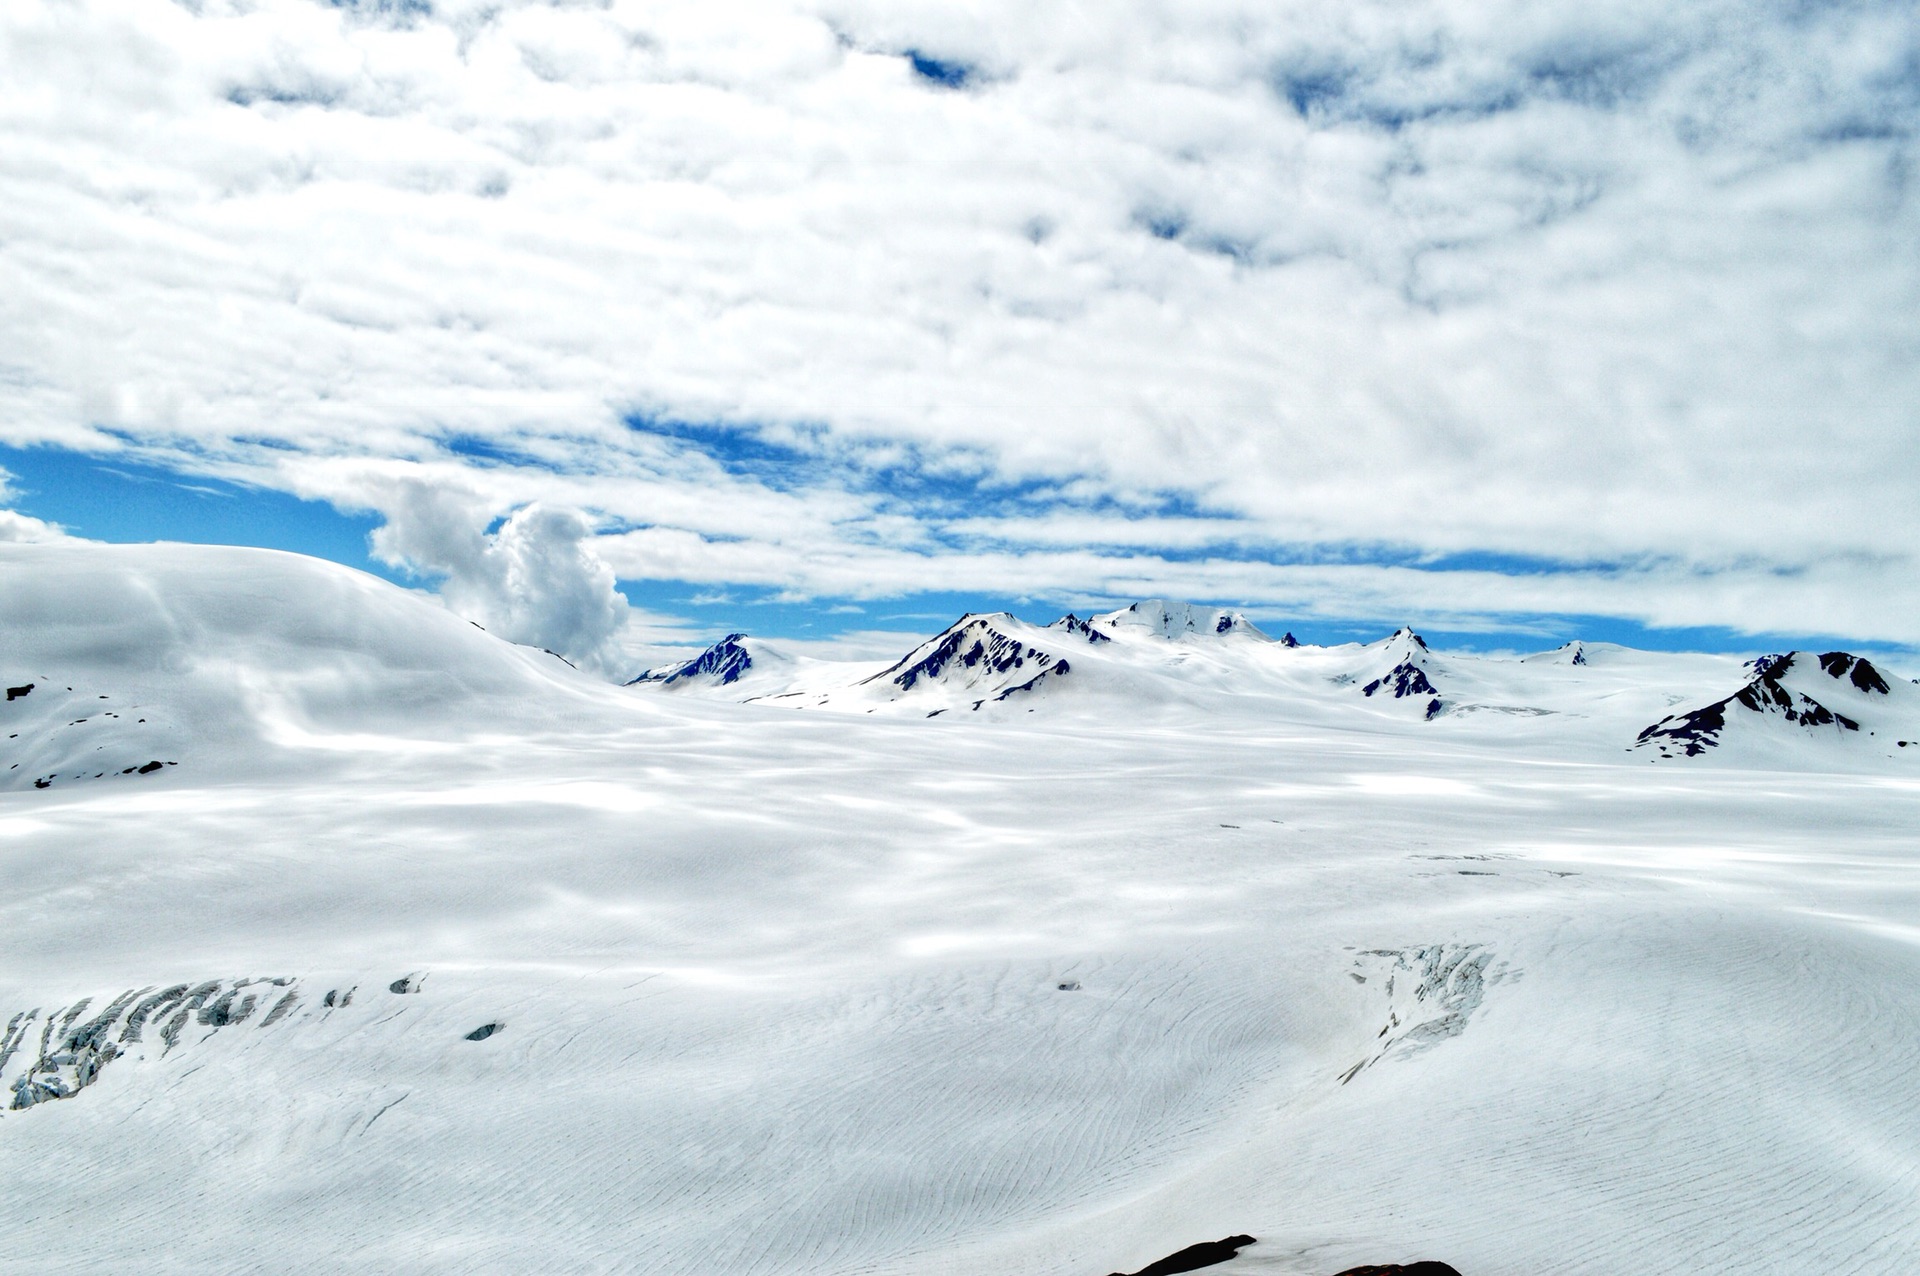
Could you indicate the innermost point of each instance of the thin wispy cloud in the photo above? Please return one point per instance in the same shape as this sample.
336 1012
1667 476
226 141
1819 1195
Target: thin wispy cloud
1473 310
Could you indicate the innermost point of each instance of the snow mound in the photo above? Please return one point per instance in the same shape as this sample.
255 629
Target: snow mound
223 660
1572 653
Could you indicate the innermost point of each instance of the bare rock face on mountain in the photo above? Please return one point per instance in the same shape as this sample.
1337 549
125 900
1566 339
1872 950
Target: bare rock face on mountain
978 653
1424 1268
1080 628
1781 694
720 665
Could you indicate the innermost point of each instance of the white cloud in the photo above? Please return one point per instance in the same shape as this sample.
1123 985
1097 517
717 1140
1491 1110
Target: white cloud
1637 284
535 578
18 528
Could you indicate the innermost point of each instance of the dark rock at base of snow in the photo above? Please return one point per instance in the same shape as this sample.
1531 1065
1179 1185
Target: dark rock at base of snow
1194 1257
404 984
14 693
1426 1267
484 1031
721 664
1288 640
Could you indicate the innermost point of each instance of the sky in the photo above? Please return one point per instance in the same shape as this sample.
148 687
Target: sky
623 325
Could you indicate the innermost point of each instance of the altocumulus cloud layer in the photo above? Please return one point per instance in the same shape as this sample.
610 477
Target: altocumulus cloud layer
1350 308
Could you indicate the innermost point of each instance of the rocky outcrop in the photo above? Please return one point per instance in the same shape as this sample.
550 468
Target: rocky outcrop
1767 697
1194 1257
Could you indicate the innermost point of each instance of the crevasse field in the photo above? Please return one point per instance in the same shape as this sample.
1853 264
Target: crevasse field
1193 937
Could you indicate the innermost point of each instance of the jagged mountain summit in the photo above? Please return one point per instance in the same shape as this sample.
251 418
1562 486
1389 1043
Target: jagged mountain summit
720 665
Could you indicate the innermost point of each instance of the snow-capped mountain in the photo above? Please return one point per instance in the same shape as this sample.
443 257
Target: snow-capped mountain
1829 696
1404 663
721 665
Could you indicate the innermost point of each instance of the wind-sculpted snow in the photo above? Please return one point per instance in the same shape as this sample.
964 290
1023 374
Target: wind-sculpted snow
1196 941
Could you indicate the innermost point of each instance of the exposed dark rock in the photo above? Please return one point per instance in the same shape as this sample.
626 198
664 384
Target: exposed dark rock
406 983
974 644
1698 730
1288 640
722 664
1426 1267
1074 625
1194 1257
1855 669
484 1031
1405 679
14 693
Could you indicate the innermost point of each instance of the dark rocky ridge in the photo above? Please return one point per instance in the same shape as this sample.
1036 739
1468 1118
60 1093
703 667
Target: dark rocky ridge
975 644
1698 730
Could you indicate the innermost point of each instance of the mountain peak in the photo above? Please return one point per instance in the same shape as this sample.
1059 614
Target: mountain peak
719 665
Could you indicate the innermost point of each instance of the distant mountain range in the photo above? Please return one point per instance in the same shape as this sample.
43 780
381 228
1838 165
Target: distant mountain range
1160 653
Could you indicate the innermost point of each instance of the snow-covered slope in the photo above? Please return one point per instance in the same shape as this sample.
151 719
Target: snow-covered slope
432 955
220 661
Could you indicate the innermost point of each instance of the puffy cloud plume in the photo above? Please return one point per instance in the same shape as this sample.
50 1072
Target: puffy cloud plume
534 578
1315 292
